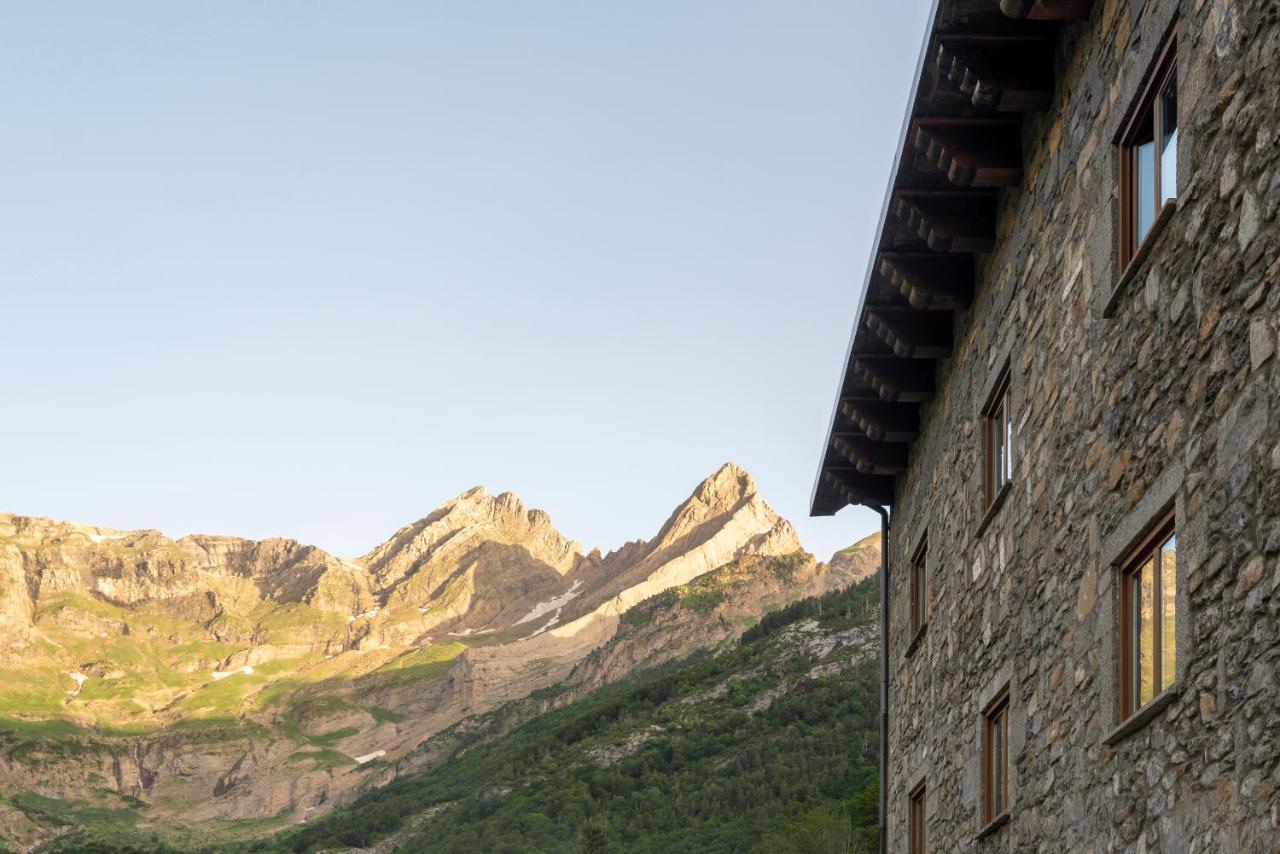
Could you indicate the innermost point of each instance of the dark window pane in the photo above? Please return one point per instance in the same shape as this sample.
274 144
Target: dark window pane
918 591
997 763
919 840
1004 759
924 590
997 424
994 463
915 597
1000 436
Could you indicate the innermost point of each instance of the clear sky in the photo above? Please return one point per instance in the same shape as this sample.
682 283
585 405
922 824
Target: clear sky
309 269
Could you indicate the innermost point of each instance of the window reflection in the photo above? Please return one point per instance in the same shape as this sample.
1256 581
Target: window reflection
1169 141
1149 148
1149 619
1168 619
1146 188
1145 626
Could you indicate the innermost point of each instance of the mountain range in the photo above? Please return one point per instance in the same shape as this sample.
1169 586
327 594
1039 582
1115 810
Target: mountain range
232 687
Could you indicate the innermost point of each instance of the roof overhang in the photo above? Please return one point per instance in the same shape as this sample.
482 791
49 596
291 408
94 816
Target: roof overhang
984 65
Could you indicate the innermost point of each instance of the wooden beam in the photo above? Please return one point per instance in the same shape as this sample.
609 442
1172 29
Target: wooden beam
972 152
930 281
912 333
826 502
873 457
1048 10
837 485
1002 73
858 488
855 388
897 380
963 222
881 421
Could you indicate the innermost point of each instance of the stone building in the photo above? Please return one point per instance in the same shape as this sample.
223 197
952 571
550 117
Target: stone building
1063 381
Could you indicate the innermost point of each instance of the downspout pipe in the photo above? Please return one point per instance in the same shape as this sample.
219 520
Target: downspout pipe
884 677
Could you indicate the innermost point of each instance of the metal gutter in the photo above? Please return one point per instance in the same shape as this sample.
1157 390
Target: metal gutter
884 678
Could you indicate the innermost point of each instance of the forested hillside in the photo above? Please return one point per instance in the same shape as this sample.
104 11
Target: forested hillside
770 746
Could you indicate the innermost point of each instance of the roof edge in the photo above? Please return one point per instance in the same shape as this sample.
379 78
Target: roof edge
871 259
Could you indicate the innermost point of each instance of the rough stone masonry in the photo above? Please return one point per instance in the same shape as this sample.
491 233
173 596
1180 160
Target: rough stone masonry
1129 393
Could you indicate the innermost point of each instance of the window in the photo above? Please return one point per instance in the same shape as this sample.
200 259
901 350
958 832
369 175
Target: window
1148 619
1149 157
920 588
999 439
995 759
919 833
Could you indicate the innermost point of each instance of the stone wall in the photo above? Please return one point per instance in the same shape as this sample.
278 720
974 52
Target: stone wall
1166 391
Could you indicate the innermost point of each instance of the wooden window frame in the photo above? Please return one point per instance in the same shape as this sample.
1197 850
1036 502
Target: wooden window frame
918 820
995 719
997 432
1166 68
1147 551
920 588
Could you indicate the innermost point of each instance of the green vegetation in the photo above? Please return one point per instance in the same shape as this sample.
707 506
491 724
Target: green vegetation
328 739
858 546
107 831
430 661
112 829
701 601
850 828
785 567
323 758
643 613
59 812
822 608
385 716
685 758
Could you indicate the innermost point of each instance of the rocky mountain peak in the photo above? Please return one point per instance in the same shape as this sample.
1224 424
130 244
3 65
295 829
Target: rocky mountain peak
727 484
436 546
727 493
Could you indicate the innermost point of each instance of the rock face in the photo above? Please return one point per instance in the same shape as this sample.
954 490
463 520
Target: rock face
861 560
480 562
723 520
262 678
717 607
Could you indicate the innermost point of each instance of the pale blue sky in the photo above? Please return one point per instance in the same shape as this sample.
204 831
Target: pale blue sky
310 269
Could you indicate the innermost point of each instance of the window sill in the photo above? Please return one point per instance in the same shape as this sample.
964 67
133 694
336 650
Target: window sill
1143 716
992 826
996 504
917 639
1138 262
